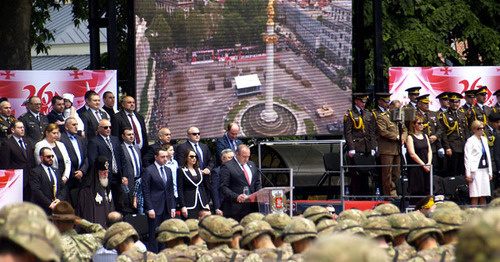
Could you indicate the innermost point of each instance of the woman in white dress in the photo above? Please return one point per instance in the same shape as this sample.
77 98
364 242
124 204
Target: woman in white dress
478 169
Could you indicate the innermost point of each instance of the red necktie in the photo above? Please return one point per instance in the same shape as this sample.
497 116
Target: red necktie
246 175
136 133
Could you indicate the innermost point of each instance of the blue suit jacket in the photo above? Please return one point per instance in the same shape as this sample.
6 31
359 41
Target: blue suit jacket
221 144
157 195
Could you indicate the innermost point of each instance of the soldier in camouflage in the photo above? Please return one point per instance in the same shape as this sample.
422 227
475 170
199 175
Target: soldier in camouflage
449 221
196 241
447 205
258 238
24 208
278 221
76 247
425 236
387 209
300 233
345 248
316 214
479 240
326 227
175 234
349 226
353 214
29 238
122 236
251 217
371 213
218 233
400 224
237 233
380 230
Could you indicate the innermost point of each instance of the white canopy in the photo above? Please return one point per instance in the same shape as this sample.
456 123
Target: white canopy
247 81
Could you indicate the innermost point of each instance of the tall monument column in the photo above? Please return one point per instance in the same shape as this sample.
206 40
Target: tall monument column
268 114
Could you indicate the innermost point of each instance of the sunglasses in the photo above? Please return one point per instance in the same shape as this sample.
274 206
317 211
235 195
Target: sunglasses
480 128
106 127
191 156
420 123
51 156
195 134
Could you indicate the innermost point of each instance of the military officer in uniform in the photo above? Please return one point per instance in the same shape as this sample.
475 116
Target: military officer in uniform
389 144
470 100
383 100
359 133
122 236
490 132
6 118
431 129
453 123
496 107
444 102
413 93
34 121
479 111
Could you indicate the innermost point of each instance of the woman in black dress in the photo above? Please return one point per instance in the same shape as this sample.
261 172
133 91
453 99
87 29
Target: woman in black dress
419 152
192 186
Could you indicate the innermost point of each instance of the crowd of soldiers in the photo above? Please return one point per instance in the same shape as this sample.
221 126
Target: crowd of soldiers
440 231
375 133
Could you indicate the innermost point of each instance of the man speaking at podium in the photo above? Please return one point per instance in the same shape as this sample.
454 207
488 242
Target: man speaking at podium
239 175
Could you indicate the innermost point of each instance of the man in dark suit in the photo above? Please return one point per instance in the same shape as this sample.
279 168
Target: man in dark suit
158 191
46 184
56 115
85 107
93 115
202 150
109 104
109 146
229 140
34 122
133 162
77 150
16 153
164 138
127 117
6 118
236 175
217 196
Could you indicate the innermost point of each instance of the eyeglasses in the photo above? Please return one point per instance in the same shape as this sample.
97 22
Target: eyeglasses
106 127
191 156
195 134
50 156
481 94
167 134
420 123
480 128
36 104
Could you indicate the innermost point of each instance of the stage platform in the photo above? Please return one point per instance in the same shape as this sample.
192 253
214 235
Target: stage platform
301 205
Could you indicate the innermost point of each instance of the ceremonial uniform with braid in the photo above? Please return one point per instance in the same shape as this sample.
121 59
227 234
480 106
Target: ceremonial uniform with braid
480 113
454 135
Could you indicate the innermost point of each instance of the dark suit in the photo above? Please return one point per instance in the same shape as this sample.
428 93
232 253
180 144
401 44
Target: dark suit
158 196
84 166
180 152
33 128
194 192
149 157
81 110
121 121
217 196
223 143
42 189
129 164
90 122
110 111
97 146
12 157
53 117
232 183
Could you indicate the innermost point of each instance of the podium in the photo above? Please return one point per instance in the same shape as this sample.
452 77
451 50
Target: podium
270 199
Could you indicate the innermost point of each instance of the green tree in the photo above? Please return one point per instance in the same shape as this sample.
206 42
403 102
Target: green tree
197 29
177 22
159 33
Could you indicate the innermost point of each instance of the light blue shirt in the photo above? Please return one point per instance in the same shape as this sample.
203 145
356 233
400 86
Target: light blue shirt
173 166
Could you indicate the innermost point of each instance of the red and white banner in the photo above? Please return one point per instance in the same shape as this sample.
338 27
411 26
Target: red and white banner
11 187
435 80
18 86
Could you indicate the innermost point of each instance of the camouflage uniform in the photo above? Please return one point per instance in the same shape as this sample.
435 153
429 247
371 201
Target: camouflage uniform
448 220
117 234
36 235
193 232
251 217
349 226
387 209
371 213
354 214
223 253
278 222
24 208
299 229
326 227
5 127
400 224
351 247
316 214
252 231
494 203
419 227
448 205
375 227
173 229
179 253
81 247
479 239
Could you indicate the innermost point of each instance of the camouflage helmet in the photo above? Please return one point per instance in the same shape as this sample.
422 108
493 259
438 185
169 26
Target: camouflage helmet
447 204
377 227
193 227
495 202
171 229
349 226
471 212
254 229
416 216
35 234
422 226
387 209
215 229
251 217
345 248
300 228
237 228
371 213
448 219
316 213
400 224
353 214
278 221
23 208
326 226
479 240
117 233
